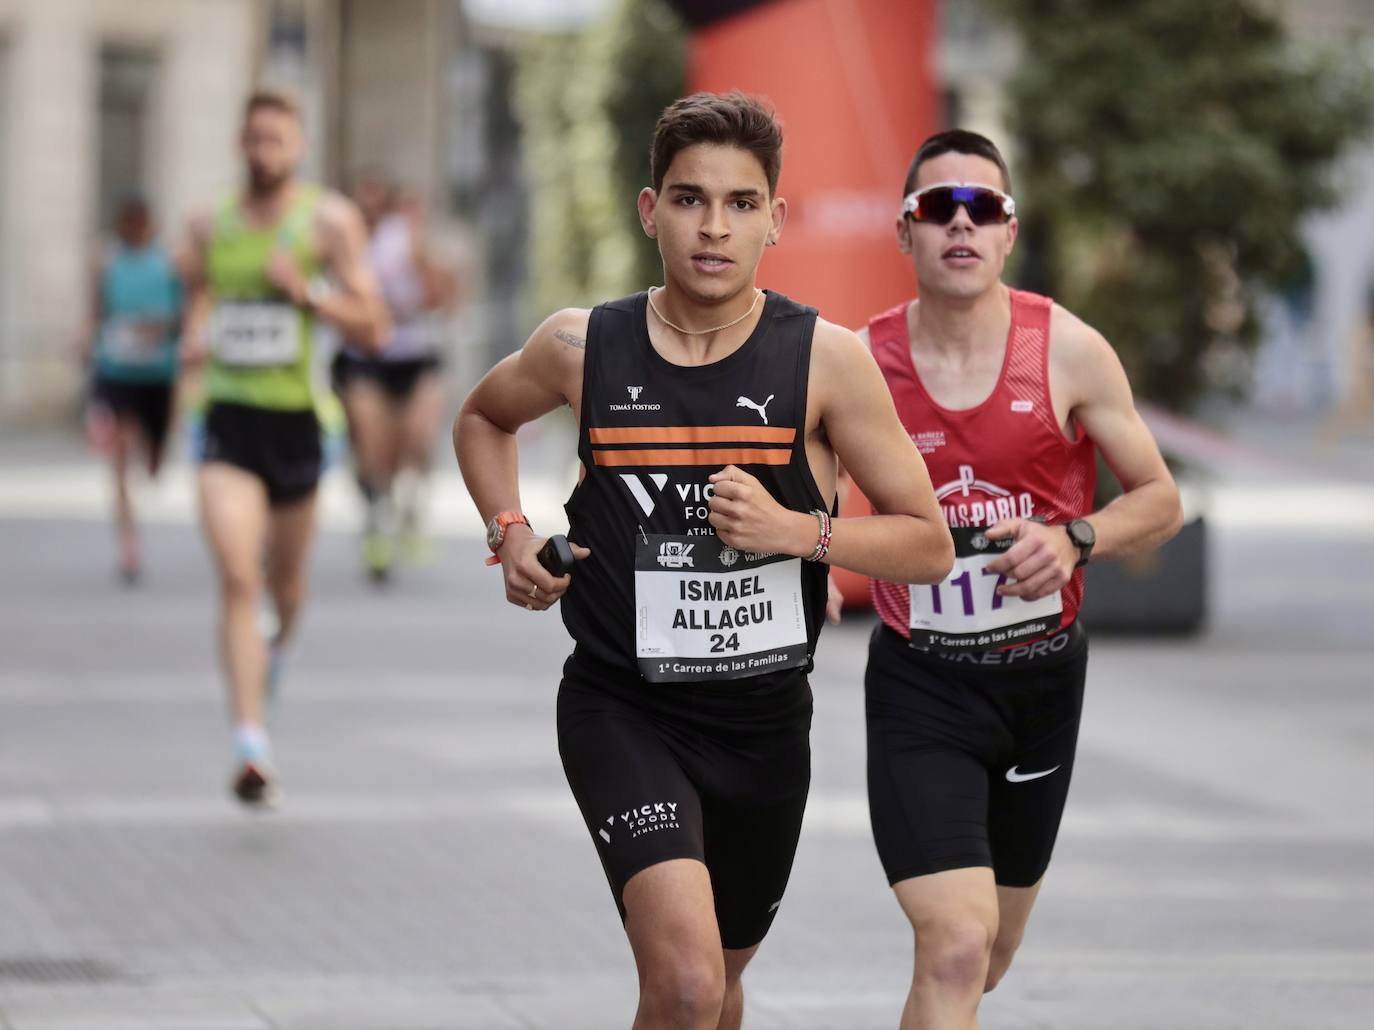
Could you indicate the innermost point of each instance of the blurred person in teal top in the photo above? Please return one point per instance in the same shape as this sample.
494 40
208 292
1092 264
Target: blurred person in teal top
132 345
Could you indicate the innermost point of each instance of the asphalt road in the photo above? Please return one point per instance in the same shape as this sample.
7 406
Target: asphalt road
429 870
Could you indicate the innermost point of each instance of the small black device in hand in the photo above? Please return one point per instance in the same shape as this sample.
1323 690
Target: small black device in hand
556 556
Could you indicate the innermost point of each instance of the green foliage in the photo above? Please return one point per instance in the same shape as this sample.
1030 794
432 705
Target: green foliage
1169 151
588 105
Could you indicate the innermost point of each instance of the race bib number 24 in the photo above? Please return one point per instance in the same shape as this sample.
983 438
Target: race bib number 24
705 611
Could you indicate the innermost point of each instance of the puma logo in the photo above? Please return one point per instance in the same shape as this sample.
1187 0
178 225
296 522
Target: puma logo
745 402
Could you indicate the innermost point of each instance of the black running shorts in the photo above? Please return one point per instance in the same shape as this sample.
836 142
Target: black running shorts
149 404
282 448
969 765
716 772
397 378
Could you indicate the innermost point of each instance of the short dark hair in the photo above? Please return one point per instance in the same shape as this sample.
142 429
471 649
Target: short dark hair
956 141
727 119
133 205
267 99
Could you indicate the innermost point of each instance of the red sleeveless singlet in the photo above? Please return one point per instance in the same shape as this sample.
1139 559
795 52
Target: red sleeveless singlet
1004 458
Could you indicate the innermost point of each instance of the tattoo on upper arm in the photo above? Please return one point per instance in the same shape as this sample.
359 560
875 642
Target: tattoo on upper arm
571 339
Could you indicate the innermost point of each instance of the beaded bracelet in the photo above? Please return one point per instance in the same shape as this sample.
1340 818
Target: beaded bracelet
822 544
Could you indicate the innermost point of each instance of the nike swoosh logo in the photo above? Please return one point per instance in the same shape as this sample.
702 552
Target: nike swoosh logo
1017 777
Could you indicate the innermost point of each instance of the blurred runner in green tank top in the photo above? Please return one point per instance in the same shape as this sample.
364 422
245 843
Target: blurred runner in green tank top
262 266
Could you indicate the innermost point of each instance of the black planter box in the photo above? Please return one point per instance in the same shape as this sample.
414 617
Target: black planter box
1162 592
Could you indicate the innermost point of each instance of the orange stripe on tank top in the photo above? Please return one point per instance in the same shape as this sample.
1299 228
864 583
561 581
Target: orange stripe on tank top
691 434
695 456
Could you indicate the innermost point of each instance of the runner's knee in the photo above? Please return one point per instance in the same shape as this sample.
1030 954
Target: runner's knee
128 435
684 989
1003 951
240 584
415 454
735 962
954 952
287 584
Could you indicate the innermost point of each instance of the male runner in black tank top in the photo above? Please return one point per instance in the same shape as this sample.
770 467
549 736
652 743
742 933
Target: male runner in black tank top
710 419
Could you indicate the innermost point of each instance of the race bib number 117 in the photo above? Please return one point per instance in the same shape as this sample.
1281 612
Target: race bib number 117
966 613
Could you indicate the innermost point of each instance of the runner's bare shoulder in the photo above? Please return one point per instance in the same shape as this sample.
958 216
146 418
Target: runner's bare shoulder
835 352
192 243
565 330
337 218
555 351
198 224
1080 356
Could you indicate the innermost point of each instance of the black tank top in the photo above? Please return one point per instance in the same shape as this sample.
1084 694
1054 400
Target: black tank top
651 434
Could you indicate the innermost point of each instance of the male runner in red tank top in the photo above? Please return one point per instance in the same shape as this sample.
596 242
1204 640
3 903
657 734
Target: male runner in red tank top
974 686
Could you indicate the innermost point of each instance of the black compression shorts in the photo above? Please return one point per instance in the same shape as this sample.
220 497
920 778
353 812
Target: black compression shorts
968 765
150 404
282 448
716 772
397 377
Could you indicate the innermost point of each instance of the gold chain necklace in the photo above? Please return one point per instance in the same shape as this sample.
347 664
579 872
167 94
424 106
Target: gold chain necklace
703 332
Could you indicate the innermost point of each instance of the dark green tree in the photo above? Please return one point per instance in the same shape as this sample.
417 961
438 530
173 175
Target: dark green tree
1168 153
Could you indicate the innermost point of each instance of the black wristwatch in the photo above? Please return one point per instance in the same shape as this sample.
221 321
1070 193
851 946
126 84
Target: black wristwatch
1083 536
